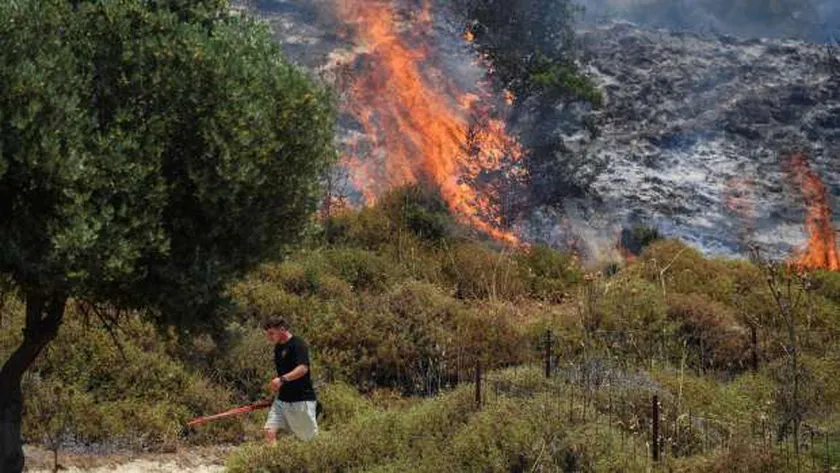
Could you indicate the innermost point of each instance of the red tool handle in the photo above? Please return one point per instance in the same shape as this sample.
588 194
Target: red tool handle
239 410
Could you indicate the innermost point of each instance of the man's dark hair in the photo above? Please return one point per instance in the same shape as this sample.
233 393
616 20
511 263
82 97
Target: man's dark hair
275 322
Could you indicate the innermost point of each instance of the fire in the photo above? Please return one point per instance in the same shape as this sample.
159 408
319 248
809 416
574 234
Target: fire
419 123
821 252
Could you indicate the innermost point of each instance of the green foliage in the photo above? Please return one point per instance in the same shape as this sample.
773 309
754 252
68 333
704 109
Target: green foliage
710 331
419 209
150 154
345 404
245 362
86 388
677 267
415 210
827 284
514 431
369 228
633 306
550 274
478 271
363 270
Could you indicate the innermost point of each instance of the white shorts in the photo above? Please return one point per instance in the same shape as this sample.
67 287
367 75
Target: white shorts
296 417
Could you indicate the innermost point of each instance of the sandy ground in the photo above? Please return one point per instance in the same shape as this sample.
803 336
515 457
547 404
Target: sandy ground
193 460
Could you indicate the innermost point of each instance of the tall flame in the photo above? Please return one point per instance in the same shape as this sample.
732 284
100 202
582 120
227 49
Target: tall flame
821 252
418 121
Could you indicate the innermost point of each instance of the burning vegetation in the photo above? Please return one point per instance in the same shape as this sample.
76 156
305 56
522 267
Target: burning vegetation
821 251
422 127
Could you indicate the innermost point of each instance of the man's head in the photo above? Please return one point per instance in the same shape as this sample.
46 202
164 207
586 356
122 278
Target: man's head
276 329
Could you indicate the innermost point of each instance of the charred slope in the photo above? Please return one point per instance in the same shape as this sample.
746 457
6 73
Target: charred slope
693 123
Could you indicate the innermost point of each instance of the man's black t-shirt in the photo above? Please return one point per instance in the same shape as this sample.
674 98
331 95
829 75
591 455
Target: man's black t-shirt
287 356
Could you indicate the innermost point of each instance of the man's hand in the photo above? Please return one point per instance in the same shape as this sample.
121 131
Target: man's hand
275 384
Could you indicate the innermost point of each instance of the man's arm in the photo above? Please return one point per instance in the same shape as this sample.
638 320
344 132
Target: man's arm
299 372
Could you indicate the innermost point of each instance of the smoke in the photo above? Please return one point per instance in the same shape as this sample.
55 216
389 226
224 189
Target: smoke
576 228
809 20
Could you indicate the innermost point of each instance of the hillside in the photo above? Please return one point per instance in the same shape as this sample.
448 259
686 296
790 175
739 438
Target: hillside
400 303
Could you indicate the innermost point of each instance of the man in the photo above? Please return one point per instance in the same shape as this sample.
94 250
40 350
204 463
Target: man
294 409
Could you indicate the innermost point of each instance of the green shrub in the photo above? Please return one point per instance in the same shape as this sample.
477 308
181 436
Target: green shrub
55 411
479 272
522 428
331 287
134 394
419 209
417 260
827 284
674 266
550 274
368 228
254 296
709 331
631 305
490 332
363 270
395 339
343 403
245 363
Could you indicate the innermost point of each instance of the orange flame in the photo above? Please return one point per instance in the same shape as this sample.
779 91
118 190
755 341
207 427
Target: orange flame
821 252
419 131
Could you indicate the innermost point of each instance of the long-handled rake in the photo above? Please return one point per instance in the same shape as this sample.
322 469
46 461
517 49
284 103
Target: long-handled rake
232 412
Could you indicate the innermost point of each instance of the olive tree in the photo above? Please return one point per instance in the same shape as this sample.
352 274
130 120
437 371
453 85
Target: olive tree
150 151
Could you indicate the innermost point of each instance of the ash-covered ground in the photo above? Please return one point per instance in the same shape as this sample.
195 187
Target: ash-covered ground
695 121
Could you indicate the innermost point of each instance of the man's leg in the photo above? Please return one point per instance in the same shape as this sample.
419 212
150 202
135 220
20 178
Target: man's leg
275 422
301 419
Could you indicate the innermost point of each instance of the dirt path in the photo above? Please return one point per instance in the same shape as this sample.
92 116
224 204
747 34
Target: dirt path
194 460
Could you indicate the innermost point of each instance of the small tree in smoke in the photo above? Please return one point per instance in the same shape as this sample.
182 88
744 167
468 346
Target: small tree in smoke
531 47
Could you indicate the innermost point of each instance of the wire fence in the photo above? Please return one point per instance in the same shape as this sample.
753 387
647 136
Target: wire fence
596 383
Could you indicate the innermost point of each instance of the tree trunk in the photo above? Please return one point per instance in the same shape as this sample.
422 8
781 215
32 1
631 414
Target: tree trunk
43 317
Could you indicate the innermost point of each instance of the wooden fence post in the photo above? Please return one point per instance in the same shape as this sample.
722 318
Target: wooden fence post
478 383
548 353
655 442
